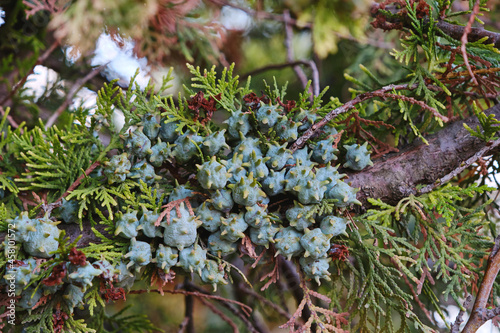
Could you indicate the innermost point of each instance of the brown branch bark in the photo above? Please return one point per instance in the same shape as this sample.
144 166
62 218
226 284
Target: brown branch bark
475 34
464 165
395 176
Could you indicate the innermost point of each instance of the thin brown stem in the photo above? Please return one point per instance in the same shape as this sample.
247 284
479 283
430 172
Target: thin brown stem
78 181
474 72
294 282
264 300
238 313
452 30
455 328
274 66
221 314
315 77
47 208
197 294
71 93
415 294
382 92
39 61
183 325
413 101
477 319
463 40
289 50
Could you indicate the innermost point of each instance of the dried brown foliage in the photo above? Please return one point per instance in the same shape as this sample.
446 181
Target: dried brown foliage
58 320
273 275
338 252
56 276
326 320
253 101
209 105
171 205
161 279
77 257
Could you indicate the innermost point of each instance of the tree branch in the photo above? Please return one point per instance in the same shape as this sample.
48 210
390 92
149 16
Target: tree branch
463 40
289 50
293 282
452 30
455 328
383 93
464 165
394 177
182 326
479 313
21 83
277 66
71 93
242 287
221 314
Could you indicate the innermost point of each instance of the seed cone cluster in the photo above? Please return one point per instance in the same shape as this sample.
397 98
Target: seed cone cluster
244 181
